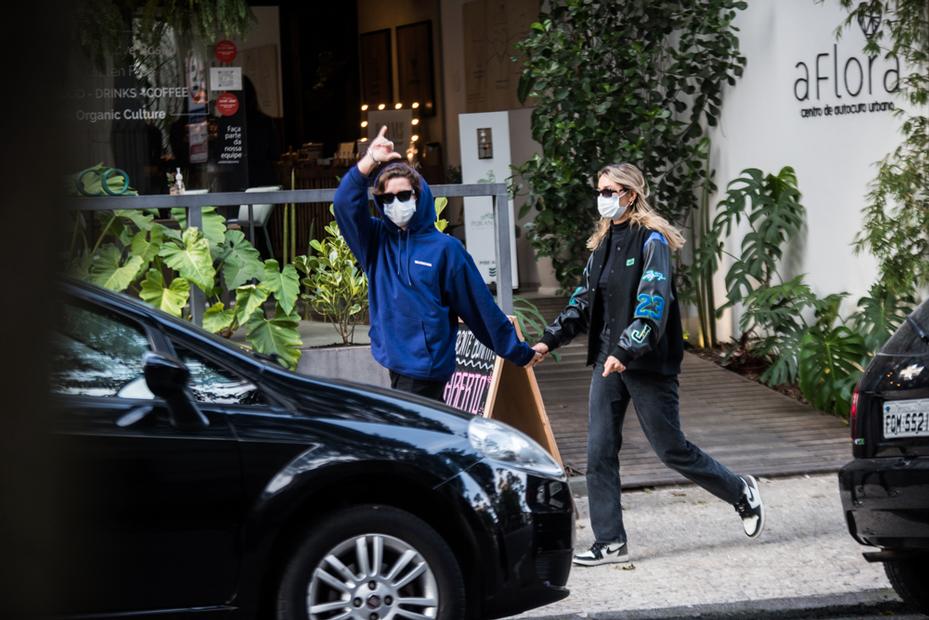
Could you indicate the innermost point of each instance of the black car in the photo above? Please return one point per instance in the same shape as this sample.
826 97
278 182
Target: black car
196 478
885 490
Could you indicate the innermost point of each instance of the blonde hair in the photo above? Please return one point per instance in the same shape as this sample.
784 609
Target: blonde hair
640 212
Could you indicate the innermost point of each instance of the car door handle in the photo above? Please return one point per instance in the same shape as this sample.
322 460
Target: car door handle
134 415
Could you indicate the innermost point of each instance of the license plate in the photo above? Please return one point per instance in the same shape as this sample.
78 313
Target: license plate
906 418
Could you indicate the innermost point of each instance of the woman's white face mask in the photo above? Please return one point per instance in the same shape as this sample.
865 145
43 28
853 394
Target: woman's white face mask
400 212
610 207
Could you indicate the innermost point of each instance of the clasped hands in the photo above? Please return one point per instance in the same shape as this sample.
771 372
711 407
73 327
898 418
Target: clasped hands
541 352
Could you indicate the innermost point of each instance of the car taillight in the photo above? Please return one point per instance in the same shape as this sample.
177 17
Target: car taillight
853 417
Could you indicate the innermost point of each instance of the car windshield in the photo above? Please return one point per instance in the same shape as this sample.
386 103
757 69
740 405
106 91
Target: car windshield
95 353
224 343
907 340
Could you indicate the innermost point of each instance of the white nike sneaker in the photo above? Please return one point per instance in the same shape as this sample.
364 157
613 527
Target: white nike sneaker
751 508
602 553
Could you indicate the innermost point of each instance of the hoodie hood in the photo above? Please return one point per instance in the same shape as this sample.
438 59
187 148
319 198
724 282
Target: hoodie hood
423 220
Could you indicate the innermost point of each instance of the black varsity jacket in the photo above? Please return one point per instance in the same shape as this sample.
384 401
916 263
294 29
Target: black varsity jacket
644 321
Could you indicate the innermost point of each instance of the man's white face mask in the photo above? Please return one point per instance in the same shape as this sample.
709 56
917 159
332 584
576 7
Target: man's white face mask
400 212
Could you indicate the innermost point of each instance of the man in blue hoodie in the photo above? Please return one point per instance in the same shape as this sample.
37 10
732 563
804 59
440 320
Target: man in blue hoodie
420 281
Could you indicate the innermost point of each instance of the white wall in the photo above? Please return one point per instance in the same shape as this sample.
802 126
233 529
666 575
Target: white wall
762 127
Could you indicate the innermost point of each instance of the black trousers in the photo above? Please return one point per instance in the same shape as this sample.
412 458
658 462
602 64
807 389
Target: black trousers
430 389
657 407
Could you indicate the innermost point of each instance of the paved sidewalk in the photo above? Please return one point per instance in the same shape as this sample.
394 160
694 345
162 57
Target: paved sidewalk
745 425
688 549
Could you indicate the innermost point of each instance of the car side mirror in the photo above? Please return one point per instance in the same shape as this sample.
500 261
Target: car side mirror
167 378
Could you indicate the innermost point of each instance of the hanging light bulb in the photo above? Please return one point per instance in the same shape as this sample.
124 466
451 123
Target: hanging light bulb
382 106
415 105
415 121
364 123
397 106
364 107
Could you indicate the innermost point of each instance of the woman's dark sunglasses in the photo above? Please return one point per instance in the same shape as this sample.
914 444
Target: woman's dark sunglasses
388 198
609 193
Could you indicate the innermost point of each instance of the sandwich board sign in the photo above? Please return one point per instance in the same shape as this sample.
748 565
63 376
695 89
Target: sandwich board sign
487 385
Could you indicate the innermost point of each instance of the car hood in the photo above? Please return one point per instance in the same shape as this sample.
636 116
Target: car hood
368 404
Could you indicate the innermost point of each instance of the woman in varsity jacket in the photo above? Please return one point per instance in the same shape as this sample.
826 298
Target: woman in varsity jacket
628 306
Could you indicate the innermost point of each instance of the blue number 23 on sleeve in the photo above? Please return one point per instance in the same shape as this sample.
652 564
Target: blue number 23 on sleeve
650 307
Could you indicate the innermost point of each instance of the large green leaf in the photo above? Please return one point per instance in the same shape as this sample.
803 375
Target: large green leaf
191 258
171 298
829 367
248 301
218 317
277 335
284 283
214 224
880 313
240 261
107 271
142 220
147 244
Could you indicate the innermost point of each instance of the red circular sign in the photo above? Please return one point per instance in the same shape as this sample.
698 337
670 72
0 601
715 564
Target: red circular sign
227 104
226 51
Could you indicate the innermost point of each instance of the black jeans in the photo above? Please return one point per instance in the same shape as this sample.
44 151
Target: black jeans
430 389
656 405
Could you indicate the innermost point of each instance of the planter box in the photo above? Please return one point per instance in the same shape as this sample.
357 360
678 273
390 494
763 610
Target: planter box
353 363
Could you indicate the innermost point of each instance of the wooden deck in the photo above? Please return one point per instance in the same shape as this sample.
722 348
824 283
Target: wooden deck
746 426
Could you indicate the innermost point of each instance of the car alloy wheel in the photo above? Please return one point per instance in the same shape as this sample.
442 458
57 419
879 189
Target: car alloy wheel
374 562
372 577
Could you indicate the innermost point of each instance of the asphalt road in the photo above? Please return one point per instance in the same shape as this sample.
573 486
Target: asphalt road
691 559
857 606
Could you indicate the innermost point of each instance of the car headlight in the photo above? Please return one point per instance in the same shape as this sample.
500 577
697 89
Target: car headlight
504 443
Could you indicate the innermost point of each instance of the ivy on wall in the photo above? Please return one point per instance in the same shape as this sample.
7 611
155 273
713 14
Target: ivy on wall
896 215
621 80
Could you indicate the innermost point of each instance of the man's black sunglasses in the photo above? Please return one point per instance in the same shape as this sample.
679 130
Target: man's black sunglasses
388 198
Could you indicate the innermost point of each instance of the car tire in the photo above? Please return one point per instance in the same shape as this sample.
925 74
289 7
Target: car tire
314 587
910 580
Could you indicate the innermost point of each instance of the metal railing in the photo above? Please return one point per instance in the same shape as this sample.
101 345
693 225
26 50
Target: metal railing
194 204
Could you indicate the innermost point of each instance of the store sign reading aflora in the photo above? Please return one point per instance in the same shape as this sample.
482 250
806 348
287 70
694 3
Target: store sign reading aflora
839 82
